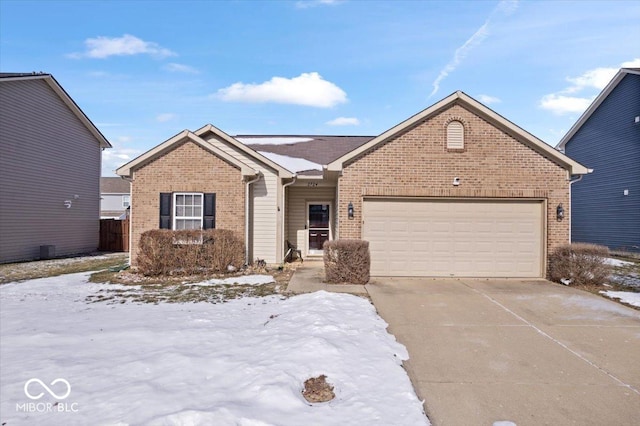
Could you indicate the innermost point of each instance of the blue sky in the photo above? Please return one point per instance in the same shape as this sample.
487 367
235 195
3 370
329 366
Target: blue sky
145 70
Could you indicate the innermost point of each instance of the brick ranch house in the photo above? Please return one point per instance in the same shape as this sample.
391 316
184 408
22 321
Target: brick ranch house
456 190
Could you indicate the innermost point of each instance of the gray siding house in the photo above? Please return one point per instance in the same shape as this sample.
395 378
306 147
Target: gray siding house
606 203
50 155
115 197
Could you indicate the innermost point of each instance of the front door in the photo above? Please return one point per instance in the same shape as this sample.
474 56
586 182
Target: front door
319 220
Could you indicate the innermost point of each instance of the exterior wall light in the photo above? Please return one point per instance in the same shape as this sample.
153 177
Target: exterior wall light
350 210
560 212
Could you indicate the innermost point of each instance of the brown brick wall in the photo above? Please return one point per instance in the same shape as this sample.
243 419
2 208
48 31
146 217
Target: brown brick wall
186 168
492 165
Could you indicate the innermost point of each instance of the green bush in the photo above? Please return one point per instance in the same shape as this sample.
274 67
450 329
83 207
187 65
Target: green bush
580 264
347 261
187 252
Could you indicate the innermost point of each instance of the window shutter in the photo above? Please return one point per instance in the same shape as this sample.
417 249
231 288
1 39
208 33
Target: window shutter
209 219
455 135
165 210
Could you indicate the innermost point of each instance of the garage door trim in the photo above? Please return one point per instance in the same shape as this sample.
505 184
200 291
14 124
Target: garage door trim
541 213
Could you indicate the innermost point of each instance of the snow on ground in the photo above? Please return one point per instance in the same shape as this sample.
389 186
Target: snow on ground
292 164
241 280
237 363
617 262
624 296
272 140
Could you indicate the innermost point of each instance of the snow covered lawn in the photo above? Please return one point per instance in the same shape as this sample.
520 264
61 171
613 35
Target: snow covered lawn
237 363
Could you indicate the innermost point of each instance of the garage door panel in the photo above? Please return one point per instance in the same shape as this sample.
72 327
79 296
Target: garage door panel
454 238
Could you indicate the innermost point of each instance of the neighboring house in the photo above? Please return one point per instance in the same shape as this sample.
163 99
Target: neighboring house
455 190
115 197
50 156
606 203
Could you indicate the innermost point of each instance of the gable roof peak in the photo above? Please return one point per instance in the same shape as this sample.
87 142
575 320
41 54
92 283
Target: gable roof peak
480 109
620 75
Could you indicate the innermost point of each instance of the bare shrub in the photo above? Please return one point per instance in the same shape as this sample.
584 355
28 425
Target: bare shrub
186 252
581 264
347 261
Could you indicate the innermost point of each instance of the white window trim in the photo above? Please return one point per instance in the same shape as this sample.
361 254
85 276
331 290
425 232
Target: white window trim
174 217
330 229
126 203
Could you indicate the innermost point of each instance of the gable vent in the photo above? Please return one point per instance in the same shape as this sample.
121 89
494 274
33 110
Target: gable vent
455 135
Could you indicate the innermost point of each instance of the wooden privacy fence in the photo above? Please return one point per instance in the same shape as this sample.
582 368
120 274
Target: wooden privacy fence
114 235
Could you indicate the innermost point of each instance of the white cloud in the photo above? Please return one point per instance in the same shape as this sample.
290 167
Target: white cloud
308 89
488 100
306 4
505 7
174 67
597 78
344 121
163 118
102 47
112 158
561 104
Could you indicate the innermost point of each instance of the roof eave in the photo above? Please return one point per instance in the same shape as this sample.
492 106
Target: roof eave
594 105
68 100
282 172
127 169
338 163
458 96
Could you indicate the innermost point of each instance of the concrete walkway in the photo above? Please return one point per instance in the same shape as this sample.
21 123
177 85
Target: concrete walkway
529 352
309 277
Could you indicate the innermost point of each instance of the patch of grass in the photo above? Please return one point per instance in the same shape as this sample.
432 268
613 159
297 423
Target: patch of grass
622 278
51 268
136 288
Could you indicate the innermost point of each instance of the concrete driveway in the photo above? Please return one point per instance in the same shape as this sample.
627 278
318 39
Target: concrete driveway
529 352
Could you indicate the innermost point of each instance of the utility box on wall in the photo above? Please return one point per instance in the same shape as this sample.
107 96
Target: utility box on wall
47 252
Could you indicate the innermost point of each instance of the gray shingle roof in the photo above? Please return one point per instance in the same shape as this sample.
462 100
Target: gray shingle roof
320 149
113 185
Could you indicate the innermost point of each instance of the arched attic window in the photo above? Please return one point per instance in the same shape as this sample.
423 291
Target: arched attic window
455 135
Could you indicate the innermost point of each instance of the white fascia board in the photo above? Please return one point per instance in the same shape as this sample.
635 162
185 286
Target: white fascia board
282 172
521 134
69 102
155 152
594 106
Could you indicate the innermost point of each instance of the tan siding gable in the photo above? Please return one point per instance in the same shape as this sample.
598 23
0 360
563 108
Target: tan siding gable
265 218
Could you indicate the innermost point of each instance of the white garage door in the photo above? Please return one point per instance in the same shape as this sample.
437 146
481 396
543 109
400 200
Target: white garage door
458 238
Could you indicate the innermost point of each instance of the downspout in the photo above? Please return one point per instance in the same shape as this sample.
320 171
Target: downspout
284 192
130 180
571 182
246 217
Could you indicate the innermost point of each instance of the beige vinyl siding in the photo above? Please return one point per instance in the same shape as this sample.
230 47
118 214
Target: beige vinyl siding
454 238
297 198
112 202
46 157
264 206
